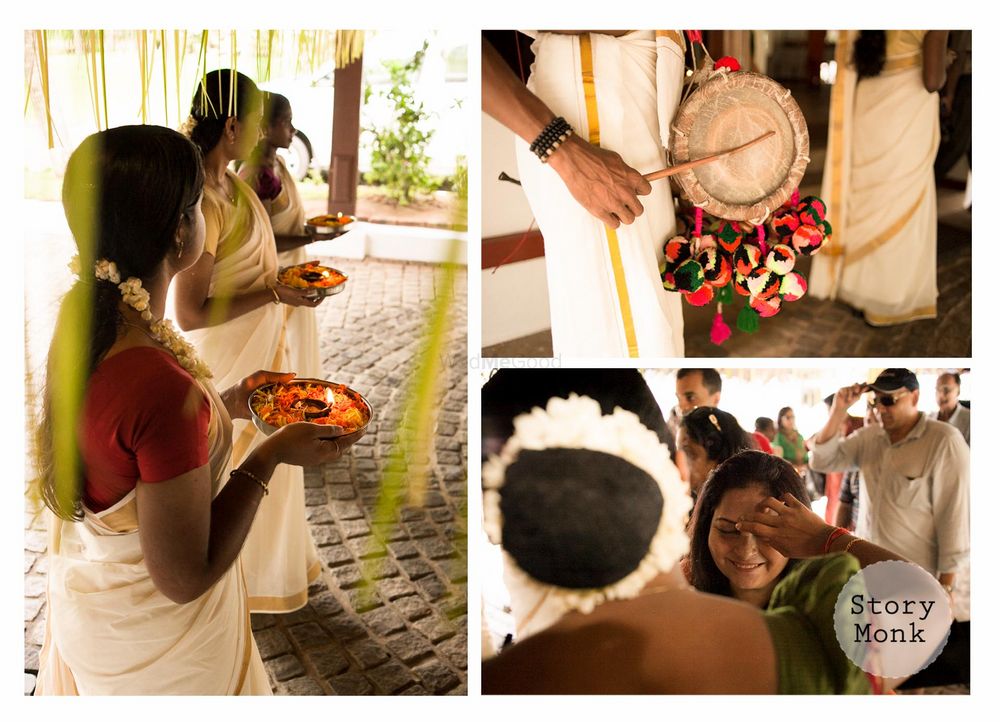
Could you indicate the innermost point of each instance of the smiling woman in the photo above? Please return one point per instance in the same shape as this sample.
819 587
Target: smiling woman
725 560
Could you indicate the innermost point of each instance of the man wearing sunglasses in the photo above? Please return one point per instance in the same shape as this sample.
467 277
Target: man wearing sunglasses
915 498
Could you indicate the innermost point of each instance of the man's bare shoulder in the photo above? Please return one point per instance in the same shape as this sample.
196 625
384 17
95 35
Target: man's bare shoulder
677 642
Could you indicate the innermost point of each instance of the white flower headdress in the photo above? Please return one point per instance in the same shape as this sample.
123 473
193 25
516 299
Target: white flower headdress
162 330
577 423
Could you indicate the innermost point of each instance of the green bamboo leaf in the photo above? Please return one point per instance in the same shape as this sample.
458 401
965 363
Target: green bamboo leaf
104 79
42 53
405 473
163 56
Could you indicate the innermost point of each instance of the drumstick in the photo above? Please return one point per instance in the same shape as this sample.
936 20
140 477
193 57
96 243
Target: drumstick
657 174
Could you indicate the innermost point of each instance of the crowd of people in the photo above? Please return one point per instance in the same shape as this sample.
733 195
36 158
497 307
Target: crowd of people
742 527
173 517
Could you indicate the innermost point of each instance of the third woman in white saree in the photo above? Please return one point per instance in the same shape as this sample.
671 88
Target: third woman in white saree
879 176
235 312
270 179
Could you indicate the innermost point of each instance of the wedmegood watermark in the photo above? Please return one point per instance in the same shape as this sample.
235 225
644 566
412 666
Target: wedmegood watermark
892 619
478 363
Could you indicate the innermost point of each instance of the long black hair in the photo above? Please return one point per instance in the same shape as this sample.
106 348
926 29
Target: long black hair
748 468
782 413
216 99
126 192
869 53
719 441
511 392
575 518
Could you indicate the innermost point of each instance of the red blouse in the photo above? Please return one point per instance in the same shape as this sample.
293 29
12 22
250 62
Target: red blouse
144 419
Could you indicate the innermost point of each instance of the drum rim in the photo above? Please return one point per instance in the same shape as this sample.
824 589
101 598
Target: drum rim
684 120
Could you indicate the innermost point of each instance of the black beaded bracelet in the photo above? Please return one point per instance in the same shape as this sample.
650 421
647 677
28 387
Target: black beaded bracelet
551 137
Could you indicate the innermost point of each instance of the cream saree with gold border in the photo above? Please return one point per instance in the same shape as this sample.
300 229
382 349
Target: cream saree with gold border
878 182
110 631
279 556
288 217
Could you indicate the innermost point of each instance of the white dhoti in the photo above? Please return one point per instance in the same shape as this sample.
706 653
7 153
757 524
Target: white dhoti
878 182
605 293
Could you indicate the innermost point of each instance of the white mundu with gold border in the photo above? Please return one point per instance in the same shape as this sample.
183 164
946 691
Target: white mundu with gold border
878 183
605 294
279 555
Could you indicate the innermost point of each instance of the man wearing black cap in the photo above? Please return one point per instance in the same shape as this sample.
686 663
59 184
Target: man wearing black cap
915 499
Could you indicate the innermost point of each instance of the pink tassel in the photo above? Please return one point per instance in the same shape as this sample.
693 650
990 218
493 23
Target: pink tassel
795 198
761 242
720 331
699 215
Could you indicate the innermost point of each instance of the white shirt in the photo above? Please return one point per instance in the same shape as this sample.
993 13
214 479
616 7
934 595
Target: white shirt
961 419
915 498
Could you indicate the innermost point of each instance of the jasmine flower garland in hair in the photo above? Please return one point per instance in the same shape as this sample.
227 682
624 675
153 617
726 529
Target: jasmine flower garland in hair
577 423
162 330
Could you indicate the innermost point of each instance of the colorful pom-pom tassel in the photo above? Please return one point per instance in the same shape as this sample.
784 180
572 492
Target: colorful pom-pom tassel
746 258
667 276
793 287
689 276
762 283
725 294
785 223
677 250
748 321
807 239
701 297
780 259
730 235
766 307
812 210
720 330
718 270
740 284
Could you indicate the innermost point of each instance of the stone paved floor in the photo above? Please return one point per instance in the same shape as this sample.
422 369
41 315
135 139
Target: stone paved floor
407 633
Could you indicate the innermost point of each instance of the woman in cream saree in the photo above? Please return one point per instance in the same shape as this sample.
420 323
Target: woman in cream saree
288 215
102 603
279 556
146 593
235 313
879 183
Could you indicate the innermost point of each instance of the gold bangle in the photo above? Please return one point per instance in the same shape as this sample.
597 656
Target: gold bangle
253 477
855 540
277 298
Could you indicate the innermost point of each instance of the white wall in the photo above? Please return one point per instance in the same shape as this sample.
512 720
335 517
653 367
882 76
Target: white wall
515 301
397 243
516 297
505 209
